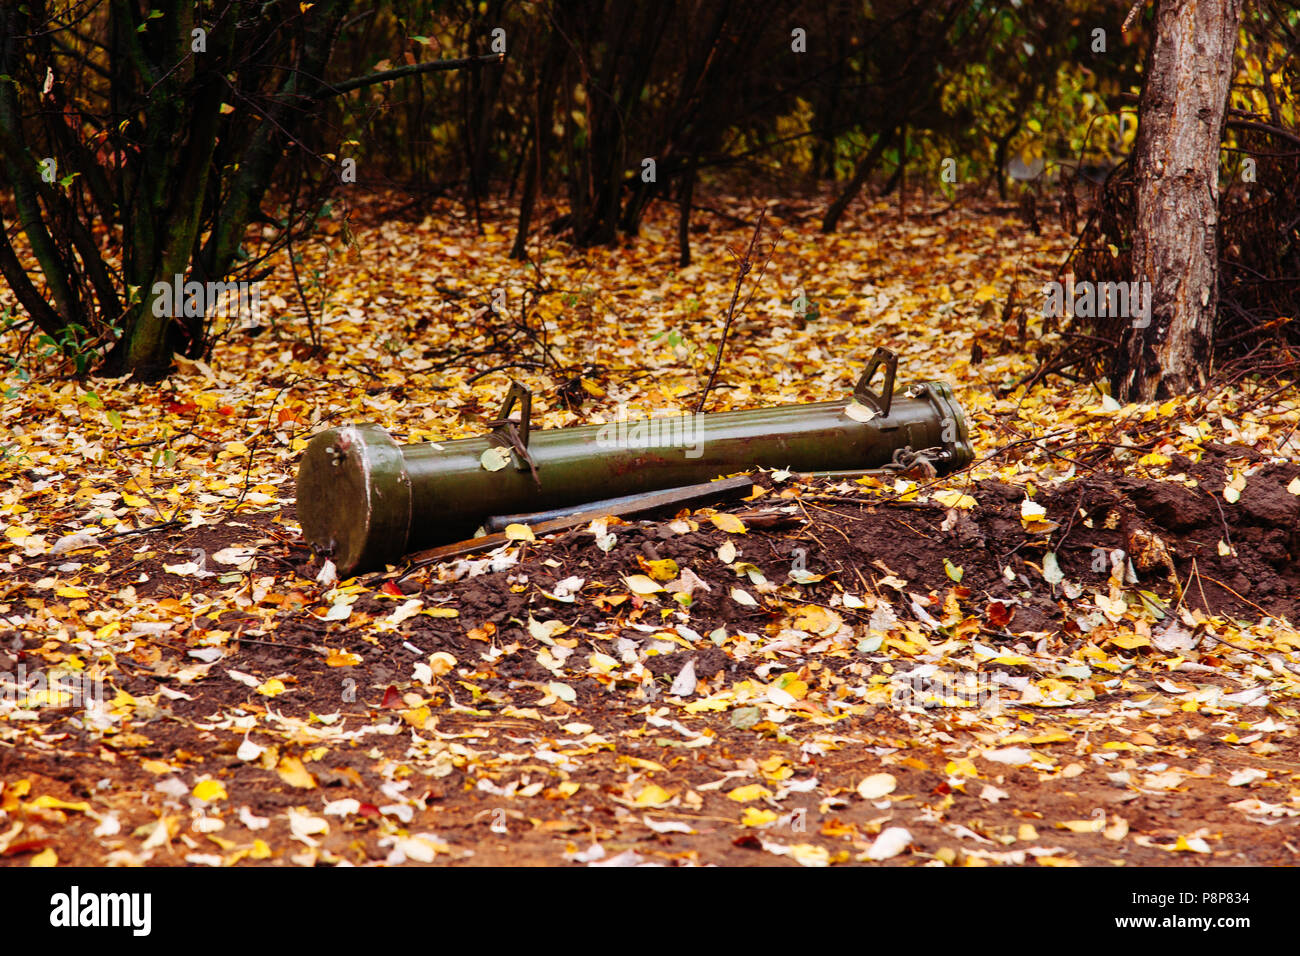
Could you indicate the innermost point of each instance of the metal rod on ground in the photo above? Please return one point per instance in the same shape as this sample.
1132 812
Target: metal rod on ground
630 505
633 504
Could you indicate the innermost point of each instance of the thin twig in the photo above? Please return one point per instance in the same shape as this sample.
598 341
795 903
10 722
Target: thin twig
1132 15
172 523
746 264
252 451
501 368
1233 593
1227 536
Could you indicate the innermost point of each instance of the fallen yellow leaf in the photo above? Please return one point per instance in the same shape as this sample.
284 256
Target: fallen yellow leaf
652 795
752 791
440 662
1129 641
754 817
641 584
210 790
664 570
1082 826
295 774
954 499
520 532
729 523
54 803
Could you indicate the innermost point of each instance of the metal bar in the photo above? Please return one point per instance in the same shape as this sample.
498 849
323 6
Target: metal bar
632 504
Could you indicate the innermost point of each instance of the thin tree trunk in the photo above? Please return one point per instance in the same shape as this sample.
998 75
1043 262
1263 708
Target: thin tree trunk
865 167
543 106
29 297
902 170
684 218
1175 248
1000 159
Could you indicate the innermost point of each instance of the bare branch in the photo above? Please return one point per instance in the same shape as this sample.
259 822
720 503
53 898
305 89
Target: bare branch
412 69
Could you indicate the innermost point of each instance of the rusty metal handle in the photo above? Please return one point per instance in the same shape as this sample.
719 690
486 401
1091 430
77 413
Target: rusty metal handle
862 391
521 394
506 433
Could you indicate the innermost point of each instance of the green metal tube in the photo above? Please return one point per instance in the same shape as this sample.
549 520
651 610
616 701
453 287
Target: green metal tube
364 501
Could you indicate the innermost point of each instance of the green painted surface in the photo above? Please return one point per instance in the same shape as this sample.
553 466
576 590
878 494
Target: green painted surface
365 501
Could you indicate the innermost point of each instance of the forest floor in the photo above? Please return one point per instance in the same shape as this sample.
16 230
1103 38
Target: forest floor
962 671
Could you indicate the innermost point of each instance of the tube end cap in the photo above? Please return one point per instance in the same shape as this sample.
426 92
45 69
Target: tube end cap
354 497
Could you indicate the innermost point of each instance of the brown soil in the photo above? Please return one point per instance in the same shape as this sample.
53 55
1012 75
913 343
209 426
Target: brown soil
854 543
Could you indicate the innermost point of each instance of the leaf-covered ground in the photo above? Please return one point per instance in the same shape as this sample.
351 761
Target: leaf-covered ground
959 672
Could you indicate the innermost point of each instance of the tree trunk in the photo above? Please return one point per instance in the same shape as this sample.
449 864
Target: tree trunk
684 214
544 98
865 167
1175 248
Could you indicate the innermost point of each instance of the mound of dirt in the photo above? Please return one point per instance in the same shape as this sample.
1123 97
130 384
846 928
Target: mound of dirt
1232 558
